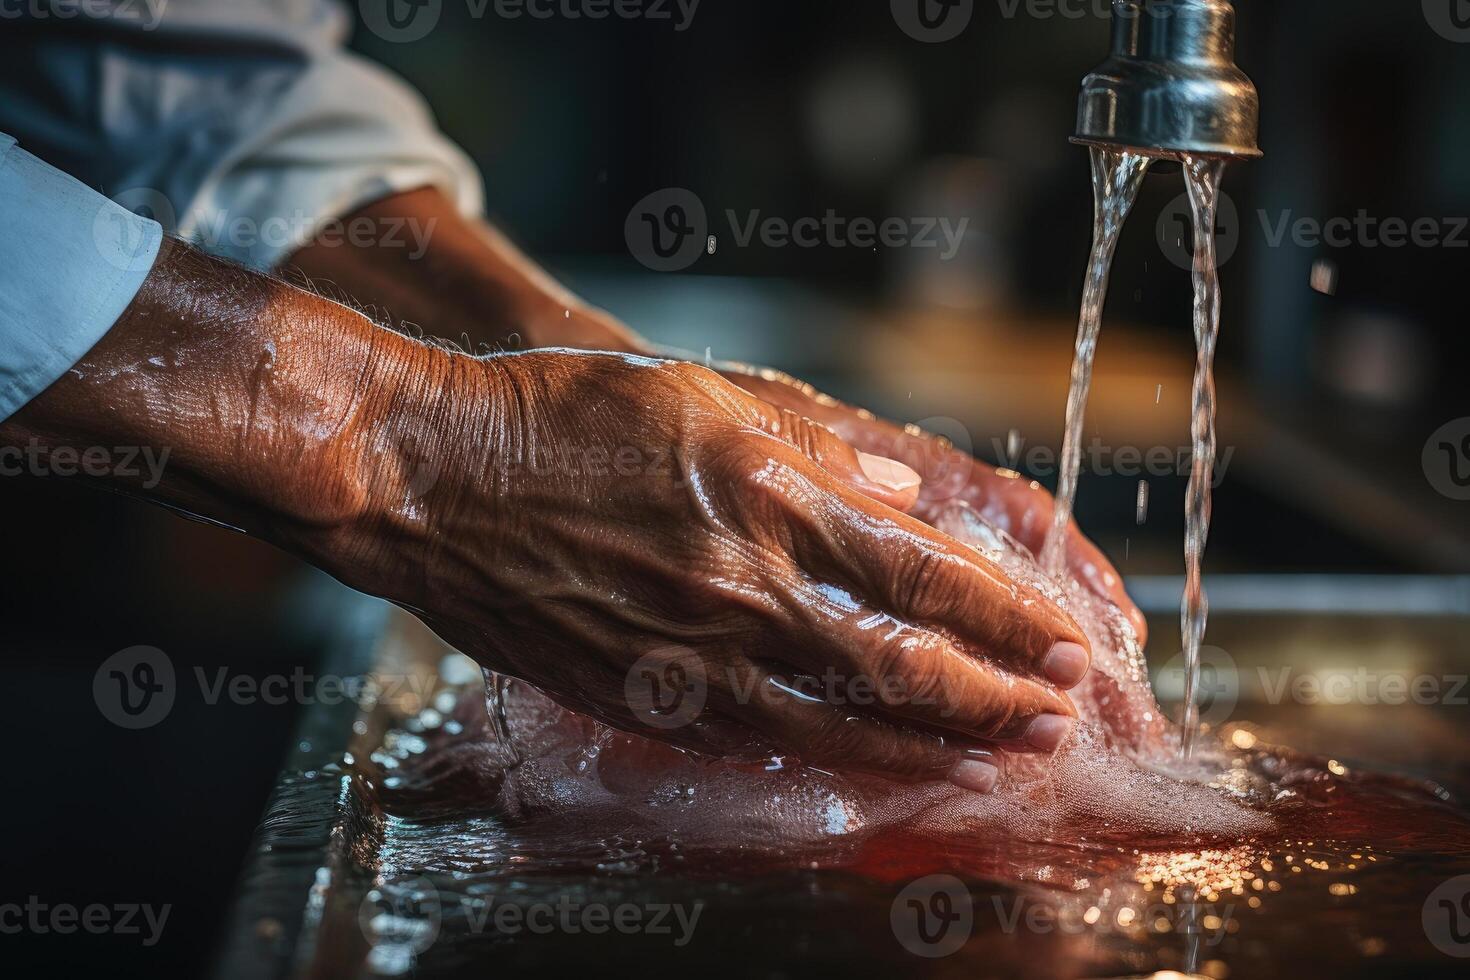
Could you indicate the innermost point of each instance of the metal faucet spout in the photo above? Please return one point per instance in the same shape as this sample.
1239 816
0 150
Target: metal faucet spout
1171 86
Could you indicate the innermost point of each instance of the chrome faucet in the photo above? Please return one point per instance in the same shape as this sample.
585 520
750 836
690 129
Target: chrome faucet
1171 85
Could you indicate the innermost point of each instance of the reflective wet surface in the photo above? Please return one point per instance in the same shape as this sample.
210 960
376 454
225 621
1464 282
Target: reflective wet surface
433 851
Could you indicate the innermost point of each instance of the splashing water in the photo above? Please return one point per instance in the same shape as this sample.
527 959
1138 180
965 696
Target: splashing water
1116 178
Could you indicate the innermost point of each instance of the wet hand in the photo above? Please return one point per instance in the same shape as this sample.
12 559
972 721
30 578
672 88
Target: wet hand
601 523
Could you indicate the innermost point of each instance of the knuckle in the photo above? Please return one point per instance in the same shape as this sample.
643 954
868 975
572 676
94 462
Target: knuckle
925 683
837 738
923 582
994 712
905 671
812 439
686 371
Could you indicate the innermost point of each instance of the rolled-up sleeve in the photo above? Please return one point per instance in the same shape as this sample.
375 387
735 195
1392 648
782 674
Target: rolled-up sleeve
70 263
243 126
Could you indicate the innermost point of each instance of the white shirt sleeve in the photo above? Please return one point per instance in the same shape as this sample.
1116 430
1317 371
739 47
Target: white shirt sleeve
243 126
70 263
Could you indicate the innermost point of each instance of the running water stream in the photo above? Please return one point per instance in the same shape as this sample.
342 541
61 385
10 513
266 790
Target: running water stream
1202 178
1116 178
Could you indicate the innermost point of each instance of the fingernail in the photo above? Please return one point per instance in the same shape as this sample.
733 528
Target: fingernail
1046 732
1066 664
887 472
974 775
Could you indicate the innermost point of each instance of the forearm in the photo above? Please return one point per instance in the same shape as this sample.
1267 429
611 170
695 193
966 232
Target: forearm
417 259
274 411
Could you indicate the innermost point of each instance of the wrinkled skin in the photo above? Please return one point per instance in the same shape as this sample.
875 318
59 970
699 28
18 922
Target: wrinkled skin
737 541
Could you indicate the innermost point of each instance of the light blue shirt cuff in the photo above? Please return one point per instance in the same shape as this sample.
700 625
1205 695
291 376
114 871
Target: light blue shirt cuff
70 263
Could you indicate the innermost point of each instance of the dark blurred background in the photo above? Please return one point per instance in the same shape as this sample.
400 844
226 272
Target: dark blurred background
1336 363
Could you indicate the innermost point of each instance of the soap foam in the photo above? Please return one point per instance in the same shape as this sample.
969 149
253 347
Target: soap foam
1119 775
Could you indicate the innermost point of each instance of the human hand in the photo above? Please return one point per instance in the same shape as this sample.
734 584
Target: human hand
595 515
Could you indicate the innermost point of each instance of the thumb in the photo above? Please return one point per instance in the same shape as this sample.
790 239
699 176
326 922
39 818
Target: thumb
885 480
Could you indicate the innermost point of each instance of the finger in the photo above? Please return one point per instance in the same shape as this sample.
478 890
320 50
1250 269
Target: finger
924 578
842 738
869 660
877 477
